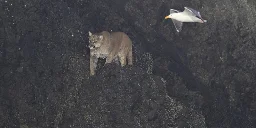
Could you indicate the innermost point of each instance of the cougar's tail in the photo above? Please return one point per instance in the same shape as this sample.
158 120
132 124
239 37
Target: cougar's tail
130 57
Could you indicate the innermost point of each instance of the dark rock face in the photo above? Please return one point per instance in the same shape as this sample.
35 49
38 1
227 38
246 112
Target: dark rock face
201 77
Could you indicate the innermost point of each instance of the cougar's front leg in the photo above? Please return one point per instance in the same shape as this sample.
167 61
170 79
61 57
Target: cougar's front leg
93 65
109 59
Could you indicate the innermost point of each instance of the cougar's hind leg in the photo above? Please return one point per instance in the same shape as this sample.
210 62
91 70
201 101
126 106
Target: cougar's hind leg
129 57
122 60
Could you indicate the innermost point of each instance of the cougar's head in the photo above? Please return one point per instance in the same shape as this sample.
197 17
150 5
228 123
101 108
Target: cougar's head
95 40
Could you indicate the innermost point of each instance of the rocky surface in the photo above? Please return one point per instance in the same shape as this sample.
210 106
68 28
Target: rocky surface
201 77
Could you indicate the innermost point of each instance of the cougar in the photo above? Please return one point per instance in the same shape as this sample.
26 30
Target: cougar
110 46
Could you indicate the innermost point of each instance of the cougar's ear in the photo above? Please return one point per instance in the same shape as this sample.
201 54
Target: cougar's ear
101 37
90 34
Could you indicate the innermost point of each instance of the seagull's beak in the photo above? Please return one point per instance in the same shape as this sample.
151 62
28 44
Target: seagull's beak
167 17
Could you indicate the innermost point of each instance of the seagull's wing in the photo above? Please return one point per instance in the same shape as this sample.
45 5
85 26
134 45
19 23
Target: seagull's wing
193 12
173 11
177 24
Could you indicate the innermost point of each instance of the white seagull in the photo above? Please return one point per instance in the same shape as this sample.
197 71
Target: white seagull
188 15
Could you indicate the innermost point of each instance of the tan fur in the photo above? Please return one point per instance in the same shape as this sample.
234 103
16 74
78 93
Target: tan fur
112 46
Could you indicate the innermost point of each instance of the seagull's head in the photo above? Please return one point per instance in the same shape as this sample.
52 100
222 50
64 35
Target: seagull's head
169 16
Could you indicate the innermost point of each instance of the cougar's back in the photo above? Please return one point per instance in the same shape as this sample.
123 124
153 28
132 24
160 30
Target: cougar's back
120 42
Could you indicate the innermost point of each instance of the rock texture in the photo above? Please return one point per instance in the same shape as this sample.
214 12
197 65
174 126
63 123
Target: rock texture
201 77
